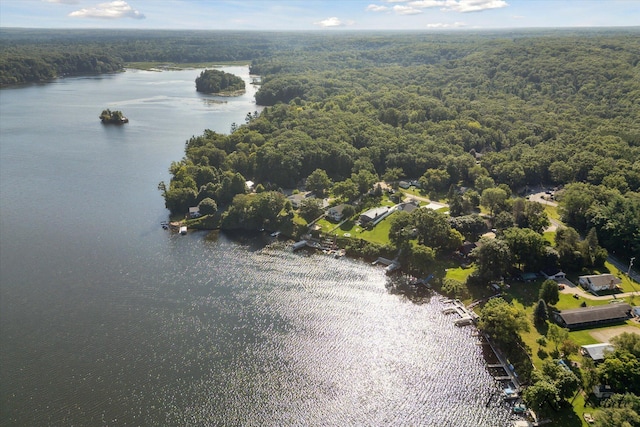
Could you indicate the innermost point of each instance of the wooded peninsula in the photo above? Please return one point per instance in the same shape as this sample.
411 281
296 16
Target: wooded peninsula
476 122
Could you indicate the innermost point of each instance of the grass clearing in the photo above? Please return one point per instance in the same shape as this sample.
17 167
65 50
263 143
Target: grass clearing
552 212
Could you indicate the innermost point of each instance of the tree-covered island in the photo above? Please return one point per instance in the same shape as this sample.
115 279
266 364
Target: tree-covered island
219 82
113 117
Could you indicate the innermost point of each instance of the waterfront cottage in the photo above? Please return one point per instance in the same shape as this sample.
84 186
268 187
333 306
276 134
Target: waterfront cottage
373 214
600 282
297 198
335 212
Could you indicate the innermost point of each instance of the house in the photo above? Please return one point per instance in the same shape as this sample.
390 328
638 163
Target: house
194 212
373 214
586 317
553 273
295 199
603 391
596 351
408 207
335 212
466 248
600 282
528 276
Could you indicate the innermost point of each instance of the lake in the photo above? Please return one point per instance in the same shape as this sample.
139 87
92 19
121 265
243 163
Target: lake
107 319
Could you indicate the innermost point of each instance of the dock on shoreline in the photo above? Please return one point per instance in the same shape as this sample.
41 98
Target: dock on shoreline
467 316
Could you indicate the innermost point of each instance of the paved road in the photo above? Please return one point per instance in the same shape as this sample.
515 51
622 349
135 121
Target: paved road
624 268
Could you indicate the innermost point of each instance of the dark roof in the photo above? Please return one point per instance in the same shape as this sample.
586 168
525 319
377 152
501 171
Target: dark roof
408 207
600 313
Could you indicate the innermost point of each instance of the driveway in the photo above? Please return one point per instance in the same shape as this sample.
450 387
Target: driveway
571 288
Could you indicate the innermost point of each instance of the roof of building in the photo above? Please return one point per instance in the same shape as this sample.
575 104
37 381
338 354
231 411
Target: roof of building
599 313
337 208
596 351
375 212
601 279
408 207
552 271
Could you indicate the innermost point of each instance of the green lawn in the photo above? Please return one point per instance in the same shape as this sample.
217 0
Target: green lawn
459 273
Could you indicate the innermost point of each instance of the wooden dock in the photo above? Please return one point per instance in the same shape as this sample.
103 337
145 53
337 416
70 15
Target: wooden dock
467 316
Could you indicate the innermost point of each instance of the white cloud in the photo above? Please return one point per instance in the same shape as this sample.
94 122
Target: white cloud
330 22
113 10
462 6
473 5
377 8
425 4
406 10
443 25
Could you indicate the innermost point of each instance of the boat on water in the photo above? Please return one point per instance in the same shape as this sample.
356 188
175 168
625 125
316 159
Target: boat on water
275 234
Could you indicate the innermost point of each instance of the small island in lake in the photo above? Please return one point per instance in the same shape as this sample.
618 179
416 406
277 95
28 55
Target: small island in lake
113 117
219 82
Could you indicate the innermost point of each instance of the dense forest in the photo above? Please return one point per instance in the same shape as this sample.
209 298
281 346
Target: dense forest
465 111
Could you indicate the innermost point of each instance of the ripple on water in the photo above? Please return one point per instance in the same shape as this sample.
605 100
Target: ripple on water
310 340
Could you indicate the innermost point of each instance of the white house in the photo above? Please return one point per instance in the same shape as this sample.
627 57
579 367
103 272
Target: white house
373 214
295 199
553 273
600 282
335 212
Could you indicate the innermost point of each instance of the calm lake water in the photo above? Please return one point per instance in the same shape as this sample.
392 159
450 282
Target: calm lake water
106 319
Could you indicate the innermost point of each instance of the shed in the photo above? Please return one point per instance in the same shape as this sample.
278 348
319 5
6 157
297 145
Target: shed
586 317
194 212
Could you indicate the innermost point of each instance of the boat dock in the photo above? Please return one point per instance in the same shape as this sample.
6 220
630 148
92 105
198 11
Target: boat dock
392 264
467 316
507 374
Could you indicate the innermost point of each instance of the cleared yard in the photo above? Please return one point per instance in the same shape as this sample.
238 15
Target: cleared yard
604 335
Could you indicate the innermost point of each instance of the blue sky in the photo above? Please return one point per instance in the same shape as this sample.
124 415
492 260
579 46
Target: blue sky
327 15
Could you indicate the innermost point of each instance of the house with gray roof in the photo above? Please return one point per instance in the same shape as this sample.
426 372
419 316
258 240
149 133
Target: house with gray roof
596 351
600 282
374 214
589 317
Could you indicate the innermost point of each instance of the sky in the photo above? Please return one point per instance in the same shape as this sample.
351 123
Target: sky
325 15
